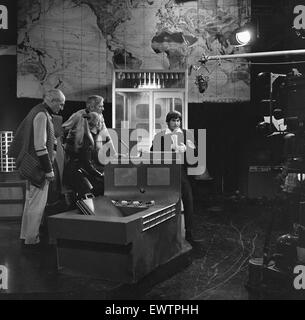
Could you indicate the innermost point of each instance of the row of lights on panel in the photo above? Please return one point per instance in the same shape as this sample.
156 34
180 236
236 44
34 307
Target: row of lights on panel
148 79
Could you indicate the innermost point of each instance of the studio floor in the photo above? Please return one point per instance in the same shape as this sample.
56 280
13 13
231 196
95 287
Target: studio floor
230 232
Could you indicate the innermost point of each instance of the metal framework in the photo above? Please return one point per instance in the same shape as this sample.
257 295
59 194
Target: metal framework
205 58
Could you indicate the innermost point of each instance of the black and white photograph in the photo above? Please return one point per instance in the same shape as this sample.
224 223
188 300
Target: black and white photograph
152 153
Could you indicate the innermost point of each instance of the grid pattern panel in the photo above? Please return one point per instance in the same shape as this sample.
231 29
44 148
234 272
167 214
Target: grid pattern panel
7 164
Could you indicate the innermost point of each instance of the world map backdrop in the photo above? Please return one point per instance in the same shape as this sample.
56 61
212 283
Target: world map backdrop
74 45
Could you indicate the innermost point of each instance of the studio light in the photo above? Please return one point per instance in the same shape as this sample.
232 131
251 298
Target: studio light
243 37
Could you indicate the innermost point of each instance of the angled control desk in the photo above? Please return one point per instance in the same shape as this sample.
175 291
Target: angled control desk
129 232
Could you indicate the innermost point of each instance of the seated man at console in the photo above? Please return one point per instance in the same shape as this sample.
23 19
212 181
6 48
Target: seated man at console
174 139
83 173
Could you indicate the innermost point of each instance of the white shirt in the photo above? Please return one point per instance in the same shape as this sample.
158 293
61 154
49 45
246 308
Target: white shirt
182 146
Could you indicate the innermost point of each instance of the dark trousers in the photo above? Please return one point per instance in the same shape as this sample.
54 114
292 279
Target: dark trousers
187 198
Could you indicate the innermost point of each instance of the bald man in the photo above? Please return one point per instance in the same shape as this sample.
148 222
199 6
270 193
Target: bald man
35 136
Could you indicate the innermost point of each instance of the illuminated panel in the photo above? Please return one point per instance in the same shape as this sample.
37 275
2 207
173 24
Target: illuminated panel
7 164
149 79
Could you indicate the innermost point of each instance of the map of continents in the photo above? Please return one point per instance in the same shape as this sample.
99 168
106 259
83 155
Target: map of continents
74 45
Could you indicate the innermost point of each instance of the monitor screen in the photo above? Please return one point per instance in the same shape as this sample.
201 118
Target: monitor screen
124 177
158 176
